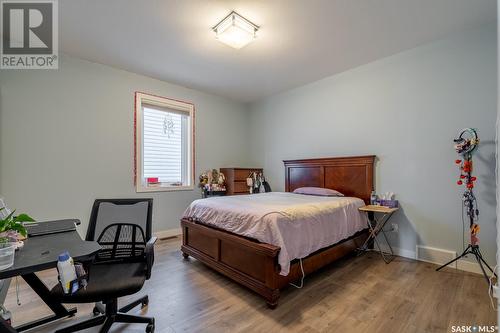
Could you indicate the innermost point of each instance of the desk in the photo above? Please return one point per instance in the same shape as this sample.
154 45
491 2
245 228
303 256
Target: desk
376 225
40 253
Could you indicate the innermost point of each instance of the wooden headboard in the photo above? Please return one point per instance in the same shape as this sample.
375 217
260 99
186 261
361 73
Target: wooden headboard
352 176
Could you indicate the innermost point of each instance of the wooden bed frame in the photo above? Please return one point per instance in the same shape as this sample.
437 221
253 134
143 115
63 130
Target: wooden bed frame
254 264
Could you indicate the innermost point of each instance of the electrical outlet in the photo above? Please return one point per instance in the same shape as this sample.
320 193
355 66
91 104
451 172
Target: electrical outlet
395 227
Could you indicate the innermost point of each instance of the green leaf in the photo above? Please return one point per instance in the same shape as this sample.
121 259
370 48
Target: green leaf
15 223
9 217
23 218
3 223
19 228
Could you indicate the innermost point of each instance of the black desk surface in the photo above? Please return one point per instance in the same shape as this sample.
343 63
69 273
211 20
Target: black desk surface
41 252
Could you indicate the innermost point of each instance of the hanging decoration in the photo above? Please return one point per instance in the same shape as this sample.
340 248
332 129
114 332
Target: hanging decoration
168 125
465 144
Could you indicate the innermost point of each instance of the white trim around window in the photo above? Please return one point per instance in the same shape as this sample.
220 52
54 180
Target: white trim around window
164 143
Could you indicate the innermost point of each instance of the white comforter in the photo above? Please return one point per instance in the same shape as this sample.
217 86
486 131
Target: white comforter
299 224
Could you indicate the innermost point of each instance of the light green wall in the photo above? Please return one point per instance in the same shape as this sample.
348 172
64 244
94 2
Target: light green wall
406 109
66 138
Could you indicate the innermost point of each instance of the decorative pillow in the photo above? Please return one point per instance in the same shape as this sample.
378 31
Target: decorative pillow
324 192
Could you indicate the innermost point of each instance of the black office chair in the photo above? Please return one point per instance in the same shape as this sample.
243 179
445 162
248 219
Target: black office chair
123 229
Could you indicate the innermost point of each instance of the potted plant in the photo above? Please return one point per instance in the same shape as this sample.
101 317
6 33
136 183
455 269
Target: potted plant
12 228
12 231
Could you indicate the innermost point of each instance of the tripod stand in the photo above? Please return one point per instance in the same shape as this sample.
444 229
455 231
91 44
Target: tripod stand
473 249
465 144
469 202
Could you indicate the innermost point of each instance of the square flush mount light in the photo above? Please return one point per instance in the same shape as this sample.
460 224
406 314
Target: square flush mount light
235 30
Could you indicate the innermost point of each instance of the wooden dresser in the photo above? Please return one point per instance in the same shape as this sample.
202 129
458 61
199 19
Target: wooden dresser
236 179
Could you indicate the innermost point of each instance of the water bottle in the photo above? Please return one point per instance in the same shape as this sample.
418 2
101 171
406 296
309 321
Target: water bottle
66 269
373 198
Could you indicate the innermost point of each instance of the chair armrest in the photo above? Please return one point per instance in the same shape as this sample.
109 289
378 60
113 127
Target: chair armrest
149 252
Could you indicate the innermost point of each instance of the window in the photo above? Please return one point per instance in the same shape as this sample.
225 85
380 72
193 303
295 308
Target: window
164 130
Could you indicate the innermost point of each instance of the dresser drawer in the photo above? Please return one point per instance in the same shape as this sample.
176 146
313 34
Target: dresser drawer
236 179
240 187
240 175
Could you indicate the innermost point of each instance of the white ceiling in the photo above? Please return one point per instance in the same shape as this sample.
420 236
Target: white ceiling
300 41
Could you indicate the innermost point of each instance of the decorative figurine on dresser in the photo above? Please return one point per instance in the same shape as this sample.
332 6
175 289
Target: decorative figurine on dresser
212 183
245 181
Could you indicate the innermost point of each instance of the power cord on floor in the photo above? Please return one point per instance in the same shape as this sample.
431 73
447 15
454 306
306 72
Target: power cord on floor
463 228
303 276
490 289
17 292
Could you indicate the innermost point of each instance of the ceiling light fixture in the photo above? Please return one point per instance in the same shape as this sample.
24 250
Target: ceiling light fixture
235 30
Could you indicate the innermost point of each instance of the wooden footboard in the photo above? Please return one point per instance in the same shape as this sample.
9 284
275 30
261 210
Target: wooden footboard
254 264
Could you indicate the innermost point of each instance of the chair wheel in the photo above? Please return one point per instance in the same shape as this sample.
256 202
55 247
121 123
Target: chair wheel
150 328
145 302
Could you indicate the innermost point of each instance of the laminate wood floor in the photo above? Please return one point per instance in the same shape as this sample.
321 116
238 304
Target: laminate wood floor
357 294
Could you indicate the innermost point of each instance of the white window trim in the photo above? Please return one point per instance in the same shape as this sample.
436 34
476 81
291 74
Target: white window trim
143 98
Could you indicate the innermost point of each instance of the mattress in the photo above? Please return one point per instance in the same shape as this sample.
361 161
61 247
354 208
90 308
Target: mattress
299 224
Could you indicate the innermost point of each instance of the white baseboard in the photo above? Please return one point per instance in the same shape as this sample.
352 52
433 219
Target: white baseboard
399 252
441 256
404 253
469 266
168 233
436 256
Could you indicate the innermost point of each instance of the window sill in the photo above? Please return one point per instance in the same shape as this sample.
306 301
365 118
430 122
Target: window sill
142 189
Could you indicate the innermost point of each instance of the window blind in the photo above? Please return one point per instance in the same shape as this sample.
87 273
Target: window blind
164 145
